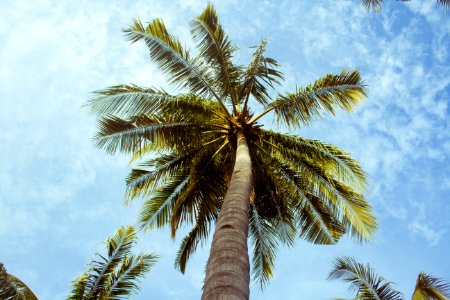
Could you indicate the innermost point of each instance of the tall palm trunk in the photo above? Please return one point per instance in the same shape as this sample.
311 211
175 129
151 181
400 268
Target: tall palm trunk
227 273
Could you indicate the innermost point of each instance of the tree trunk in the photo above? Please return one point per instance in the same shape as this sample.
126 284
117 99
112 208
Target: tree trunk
228 270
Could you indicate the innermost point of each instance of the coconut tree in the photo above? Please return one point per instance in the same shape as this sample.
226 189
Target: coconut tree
206 158
370 286
363 280
375 5
429 287
114 276
12 288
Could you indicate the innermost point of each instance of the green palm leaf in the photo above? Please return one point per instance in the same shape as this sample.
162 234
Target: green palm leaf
117 247
444 3
115 275
157 210
337 161
116 134
12 288
152 173
132 100
264 239
375 5
167 52
313 218
207 214
363 280
316 176
260 72
344 90
123 281
217 50
429 287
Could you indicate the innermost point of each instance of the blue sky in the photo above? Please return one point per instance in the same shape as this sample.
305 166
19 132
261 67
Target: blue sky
60 197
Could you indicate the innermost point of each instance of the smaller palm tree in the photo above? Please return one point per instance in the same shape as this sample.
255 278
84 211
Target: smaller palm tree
12 288
116 275
431 288
370 286
363 280
375 5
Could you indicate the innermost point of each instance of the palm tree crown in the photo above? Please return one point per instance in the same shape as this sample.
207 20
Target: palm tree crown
291 186
115 275
429 287
12 288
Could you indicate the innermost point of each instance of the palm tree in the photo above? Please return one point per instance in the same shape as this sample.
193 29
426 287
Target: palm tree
114 276
12 288
363 279
370 286
431 288
210 160
375 5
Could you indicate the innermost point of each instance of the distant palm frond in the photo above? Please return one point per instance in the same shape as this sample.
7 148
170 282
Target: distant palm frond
363 280
429 287
115 275
375 5
12 288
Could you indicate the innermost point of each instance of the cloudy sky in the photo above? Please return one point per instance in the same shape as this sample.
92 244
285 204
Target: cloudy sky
60 197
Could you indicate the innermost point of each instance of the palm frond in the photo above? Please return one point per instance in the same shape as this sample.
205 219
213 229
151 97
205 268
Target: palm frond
316 222
12 288
337 162
124 281
131 100
207 213
217 50
375 5
363 280
444 3
344 90
316 177
173 59
118 247
271 199
157 210
354 212
150 174
175 201
263 236
116 134
79 284
115 275
205 184
261 71
429 287
128 100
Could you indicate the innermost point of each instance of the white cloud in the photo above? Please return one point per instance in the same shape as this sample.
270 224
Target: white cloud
432 236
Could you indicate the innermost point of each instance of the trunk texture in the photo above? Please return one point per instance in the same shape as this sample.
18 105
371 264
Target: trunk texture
228 270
